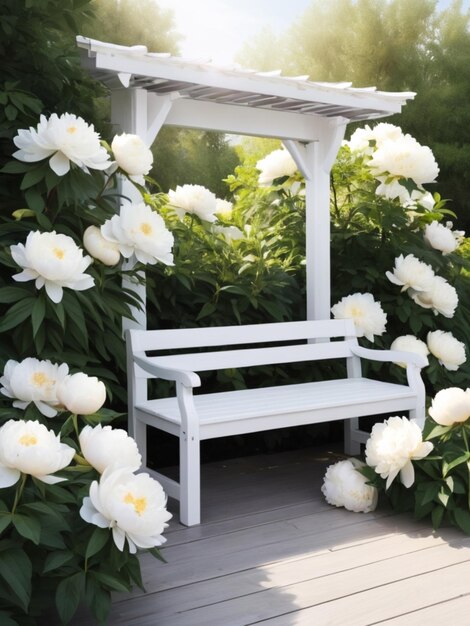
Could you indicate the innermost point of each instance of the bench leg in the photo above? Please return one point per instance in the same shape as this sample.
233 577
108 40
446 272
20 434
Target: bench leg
418 417
140 435
351 445
190 489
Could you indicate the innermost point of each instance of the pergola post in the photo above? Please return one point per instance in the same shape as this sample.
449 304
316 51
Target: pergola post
315 160
130 113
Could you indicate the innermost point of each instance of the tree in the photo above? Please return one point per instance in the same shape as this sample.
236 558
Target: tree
130 23
395 45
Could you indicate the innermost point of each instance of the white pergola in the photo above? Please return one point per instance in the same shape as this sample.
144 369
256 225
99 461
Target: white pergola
150 90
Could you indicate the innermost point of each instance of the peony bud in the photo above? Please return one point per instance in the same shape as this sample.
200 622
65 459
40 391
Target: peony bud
81 394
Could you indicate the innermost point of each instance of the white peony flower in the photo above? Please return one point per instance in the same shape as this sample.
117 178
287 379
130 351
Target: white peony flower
409 343
230 233
450 406
100 248
276 164
404 157
369 317
411 272
360 141
223 208
133 506
132 155
140 231
65 139
440 297
193 199
53 261
392 446
28 447
440 237
449 351
103 447
383 131
392 190
81 394
33 381
344 486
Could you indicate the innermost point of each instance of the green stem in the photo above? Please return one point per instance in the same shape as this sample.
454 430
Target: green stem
19 492
75 423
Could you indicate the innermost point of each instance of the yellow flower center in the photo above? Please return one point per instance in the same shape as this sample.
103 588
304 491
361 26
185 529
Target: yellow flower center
72 129
145 228
28 440
139 504
58 252
356 312
39 379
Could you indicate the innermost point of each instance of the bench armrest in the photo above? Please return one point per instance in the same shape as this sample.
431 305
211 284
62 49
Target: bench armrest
395 356
185 377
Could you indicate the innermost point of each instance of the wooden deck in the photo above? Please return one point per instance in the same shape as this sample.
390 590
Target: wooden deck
270 551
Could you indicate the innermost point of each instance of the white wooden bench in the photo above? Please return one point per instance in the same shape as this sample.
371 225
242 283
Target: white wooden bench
193 418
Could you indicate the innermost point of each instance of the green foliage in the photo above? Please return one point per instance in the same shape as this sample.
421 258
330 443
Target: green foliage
193 157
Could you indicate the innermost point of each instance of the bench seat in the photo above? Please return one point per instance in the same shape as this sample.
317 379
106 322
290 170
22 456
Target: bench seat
228 413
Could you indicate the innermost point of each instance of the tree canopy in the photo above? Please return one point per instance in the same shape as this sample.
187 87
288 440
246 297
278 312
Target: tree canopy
395 45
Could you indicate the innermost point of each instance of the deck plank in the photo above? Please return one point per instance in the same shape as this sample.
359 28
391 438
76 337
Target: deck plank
273 552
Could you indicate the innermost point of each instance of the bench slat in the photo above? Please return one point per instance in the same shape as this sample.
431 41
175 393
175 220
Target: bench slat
205 361
174 339
245 404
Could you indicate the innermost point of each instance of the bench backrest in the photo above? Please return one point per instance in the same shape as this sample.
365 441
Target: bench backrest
283 334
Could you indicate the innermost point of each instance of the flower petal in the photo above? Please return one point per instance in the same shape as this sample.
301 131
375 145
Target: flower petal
407 474
8 476
59 164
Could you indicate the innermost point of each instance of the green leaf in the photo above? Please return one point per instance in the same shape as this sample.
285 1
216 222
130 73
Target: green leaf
436 516
5 520
437 431
17 314
446 467
110 581
34 200
68 594
12 294
462 518
28 527
54 560
206 310
98 539
98 599
15 167
32 177
16 571
38 313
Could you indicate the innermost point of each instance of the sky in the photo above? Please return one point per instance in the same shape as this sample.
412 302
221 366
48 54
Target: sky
217 29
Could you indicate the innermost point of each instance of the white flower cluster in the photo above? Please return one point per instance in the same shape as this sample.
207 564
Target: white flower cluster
50 387
392 446
449 351
424 286
344 485
368 315
276 164
132 506
392 157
